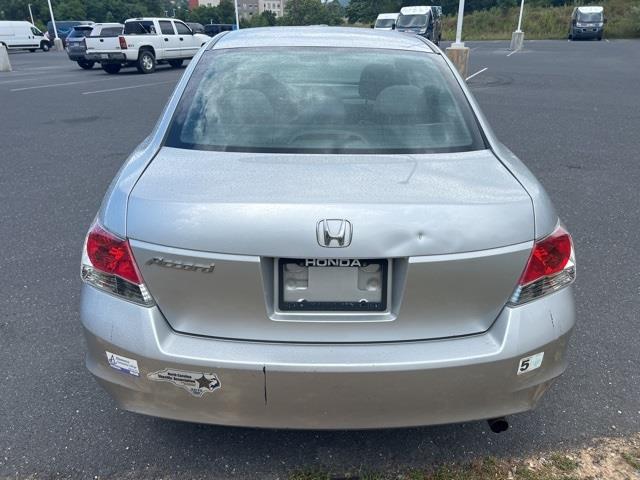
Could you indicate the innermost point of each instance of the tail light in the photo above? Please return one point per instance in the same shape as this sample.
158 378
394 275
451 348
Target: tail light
123 42
551 267
108 264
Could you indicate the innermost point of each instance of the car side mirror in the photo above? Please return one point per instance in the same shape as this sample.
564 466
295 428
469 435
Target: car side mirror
393 26
605 19
371 25
574 21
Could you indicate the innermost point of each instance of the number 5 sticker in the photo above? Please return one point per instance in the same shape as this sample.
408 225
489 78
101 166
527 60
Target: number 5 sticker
528 364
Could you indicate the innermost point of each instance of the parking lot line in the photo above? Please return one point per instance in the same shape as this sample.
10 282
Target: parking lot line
59 84
512 53
477 73
31 78
126 88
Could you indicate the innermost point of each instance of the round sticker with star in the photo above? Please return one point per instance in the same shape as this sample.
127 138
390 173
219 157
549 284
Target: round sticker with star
196 383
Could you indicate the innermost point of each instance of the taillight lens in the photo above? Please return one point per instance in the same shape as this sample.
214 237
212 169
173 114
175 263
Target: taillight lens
551 267
108 264
123 42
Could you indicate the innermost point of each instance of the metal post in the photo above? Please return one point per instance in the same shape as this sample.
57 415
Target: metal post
520 18
53 20
237 19
459 26
31 14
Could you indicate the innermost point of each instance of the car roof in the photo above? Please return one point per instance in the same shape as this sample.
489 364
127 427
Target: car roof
416 10
384 16
590 9
318 36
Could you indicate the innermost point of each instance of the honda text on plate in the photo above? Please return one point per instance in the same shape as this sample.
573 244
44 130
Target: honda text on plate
322 231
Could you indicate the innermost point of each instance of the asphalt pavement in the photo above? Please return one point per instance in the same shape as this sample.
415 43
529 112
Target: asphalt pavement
570 110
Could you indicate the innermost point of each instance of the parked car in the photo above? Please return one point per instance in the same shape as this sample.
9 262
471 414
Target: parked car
323 231
587 22
64 28
420 20
76 47
145 43
386 21
195 27
213 29
76 44
18 35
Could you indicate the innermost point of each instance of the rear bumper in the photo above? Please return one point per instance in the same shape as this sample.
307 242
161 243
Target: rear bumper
590 32
77 55
329 386
107 57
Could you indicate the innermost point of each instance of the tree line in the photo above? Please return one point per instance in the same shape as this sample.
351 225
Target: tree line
297 12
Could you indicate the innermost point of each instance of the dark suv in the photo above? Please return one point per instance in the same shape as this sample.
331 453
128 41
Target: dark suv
587 22
76 48
421 20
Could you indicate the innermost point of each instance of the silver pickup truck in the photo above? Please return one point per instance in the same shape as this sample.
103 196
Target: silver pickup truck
145 43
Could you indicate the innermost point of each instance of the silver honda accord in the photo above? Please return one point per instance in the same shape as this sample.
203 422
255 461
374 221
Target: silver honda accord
322 231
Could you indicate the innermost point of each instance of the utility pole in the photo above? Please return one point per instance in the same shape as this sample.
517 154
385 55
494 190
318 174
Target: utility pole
31 14
457 52
237 20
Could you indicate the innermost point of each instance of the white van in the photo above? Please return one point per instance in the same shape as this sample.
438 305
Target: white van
421 20
386 21
16 35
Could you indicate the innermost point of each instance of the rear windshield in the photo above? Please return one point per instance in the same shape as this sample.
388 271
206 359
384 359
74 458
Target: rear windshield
385 23
107 32
412 20
323 100
80 32
142 27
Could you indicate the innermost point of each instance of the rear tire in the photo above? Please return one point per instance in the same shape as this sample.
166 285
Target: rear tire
176 63
146 62
86 65
111 68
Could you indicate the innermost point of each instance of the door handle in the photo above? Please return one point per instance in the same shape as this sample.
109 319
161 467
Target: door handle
181 39
166 39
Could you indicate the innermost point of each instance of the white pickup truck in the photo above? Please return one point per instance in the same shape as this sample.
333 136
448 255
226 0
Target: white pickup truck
145 43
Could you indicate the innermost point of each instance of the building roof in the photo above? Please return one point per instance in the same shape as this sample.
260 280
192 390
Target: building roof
321 36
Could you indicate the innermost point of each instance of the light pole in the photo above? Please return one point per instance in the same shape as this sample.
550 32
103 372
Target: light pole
237 20
56 40
517 38
458 42
31 14
520 17
457 52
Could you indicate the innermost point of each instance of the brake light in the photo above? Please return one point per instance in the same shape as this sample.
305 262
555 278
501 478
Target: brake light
108 264
551 266
123 42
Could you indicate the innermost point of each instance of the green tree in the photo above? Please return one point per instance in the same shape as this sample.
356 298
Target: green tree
366 11
311 12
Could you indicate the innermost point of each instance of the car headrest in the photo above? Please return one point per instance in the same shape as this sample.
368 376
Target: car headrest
244 106
375 77
400 101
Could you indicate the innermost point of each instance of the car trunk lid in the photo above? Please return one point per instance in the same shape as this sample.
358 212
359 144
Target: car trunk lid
207 229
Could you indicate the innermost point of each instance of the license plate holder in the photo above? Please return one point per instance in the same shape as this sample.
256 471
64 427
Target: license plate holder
332 285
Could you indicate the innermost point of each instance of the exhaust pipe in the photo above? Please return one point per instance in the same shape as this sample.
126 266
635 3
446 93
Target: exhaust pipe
498 425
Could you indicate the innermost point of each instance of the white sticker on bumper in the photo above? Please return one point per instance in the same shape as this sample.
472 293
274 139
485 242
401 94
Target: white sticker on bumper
528 364
123 364
196 383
